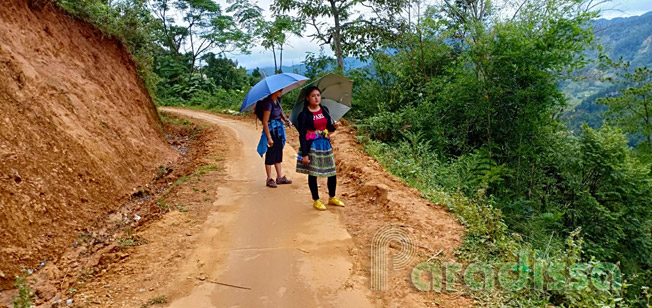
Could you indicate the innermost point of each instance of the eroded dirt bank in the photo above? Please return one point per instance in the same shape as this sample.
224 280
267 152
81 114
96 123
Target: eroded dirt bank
78 131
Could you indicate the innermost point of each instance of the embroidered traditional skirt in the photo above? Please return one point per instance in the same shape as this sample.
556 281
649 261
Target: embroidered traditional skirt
322 161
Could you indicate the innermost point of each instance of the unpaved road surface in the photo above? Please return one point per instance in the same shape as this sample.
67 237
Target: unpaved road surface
220 238
264 247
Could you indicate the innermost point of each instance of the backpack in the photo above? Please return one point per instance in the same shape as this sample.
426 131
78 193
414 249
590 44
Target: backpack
258 109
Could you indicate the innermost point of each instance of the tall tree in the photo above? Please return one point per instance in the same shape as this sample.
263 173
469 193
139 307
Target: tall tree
246 14
171 36
632 110
349 32
225 72
312 11
203 27
275 34
515 65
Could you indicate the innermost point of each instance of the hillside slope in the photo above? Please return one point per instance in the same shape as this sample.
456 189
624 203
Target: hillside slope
78 131
627 38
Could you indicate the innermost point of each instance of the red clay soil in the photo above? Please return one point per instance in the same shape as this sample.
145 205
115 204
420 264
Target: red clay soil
78 131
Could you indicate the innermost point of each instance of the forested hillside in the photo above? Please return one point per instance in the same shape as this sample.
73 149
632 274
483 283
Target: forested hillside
629 39
467 108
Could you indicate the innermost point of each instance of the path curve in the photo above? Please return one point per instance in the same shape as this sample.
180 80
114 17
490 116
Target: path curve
264 247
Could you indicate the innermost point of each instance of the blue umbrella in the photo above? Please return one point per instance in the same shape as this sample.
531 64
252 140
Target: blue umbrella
285 81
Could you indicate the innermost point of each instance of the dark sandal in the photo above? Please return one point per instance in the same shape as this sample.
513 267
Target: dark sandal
271 183
283 180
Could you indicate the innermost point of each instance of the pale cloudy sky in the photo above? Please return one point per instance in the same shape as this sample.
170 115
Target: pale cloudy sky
296 51
625 8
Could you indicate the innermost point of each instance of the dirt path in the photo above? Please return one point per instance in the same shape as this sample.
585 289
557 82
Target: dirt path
263 247
215 236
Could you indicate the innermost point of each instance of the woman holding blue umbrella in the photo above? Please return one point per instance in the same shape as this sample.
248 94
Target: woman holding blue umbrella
264 96
270 112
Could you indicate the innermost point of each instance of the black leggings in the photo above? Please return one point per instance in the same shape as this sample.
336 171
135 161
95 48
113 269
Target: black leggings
312 183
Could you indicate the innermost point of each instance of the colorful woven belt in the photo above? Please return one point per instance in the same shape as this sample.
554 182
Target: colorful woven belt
314 134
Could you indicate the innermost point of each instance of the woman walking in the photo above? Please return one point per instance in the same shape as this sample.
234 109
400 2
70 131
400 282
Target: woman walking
316 154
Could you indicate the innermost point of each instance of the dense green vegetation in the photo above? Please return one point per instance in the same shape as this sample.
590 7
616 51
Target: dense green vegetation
478 116
464 103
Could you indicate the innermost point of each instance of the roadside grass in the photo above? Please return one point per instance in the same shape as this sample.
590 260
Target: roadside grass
192 178
167 119
25 296
155 301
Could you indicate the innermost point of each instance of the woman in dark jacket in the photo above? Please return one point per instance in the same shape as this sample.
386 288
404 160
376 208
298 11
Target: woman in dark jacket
316 154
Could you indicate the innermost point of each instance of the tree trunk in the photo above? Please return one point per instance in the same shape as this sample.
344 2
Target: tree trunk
192 65
280 58
192 48
274 54
423 58
174 47
336 36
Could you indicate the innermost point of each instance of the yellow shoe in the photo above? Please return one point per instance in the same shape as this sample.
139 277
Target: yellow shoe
336 202
318 205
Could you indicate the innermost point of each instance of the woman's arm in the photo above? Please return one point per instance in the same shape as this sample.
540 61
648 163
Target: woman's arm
302 127
285 118
266 115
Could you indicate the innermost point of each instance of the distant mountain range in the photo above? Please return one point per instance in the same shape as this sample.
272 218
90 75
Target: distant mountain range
628 38
349 64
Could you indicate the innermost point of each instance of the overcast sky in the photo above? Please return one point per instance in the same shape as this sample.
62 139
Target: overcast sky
295 51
